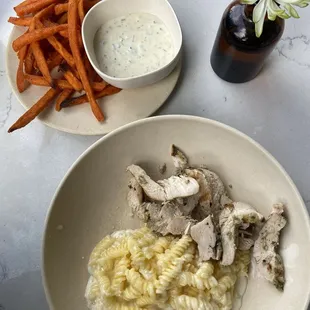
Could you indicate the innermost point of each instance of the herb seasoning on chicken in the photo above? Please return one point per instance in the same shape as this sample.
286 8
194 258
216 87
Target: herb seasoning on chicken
195 201
269 262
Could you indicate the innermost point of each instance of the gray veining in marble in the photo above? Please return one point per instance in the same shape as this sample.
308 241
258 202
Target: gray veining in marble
5 110
288 46
274 109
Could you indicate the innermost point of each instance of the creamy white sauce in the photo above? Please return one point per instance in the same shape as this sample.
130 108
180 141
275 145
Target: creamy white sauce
133 45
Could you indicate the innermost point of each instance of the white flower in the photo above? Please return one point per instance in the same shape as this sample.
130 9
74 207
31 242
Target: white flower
280 8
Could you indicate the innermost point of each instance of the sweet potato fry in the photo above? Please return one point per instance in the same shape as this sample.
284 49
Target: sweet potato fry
29 60
65 94
24 3
20 78
45 12
99 86
40 81
81 10
36 80
64 33
20 21
55 60
41 62
63 84
63 19
80 40
89 69
73 41
58 47
39 57
79 35
70 77
61 50
35 110
33 7
36 35
108 91
18 54
61 8
49 23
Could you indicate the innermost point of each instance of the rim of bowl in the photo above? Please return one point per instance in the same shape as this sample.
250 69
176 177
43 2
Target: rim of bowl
155 119
177 53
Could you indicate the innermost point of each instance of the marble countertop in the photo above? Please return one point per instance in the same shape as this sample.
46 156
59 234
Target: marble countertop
274 109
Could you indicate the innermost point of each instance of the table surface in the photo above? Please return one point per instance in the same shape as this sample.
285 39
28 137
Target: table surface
274 109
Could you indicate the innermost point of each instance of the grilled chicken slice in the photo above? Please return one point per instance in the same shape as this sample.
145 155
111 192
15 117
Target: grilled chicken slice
164 190
164 218
135 195
219 194
212 198
179 225
205 236
203 208
270 263
179 159
188 204
230 220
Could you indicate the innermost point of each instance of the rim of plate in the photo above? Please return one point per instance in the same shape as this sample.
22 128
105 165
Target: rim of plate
65 129
236 132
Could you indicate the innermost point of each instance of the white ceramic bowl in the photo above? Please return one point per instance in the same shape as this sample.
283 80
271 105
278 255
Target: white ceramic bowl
91 202
109 9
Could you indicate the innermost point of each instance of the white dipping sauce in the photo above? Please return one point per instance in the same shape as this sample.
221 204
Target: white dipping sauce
133 45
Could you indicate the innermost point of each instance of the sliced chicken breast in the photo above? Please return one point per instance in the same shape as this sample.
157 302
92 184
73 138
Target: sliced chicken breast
135 195
179 159
231 218
164 190
203 208
269 261
205 236
164 218
219 193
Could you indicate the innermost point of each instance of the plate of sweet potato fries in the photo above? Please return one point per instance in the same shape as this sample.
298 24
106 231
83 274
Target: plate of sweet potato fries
53 79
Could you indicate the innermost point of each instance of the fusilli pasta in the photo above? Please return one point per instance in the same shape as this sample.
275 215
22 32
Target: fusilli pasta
140 270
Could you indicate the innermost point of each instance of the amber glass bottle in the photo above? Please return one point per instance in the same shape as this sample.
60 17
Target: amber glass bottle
238 55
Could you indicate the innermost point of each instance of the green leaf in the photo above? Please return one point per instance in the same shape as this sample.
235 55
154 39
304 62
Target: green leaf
259 11
274 7
301 4
291 11
260 24
248 2
284 15
271 15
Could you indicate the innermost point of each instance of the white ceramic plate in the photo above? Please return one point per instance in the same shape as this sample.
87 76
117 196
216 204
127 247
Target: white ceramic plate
127 106
91 202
